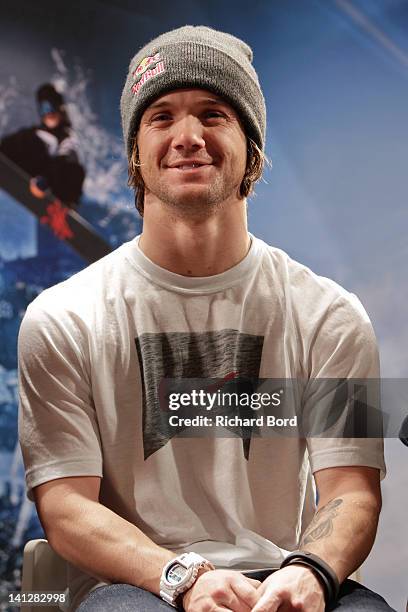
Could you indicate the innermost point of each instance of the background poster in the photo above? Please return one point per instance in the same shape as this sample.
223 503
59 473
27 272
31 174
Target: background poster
335 79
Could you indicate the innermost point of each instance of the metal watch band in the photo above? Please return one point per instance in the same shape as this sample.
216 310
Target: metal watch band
321 568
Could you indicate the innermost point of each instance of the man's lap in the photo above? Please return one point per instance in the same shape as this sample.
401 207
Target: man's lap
122 598
354 597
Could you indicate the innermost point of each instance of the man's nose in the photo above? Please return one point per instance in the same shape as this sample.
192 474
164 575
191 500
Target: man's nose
188 134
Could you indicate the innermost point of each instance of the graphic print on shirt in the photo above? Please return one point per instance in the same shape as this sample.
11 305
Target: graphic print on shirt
215 354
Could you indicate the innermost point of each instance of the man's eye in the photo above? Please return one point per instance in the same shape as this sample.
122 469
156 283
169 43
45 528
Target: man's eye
161 117
214 114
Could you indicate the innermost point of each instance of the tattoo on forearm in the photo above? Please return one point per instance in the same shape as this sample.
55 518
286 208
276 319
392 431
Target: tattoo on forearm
322 523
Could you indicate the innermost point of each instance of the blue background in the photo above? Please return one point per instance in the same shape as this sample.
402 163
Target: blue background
335 78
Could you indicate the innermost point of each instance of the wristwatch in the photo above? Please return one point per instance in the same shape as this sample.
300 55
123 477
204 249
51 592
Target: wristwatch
180 574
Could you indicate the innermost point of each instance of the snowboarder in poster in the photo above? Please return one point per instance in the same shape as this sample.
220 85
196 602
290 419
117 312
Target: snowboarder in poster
49 151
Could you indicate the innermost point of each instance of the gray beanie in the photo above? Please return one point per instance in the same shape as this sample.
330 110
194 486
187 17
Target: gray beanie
194 56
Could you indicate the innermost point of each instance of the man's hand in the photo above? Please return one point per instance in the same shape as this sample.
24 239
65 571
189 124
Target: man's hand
291 588
219 590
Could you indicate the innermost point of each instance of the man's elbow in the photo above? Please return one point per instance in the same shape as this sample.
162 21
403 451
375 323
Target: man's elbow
60 504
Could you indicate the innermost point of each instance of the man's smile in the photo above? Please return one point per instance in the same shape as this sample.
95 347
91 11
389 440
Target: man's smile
189 165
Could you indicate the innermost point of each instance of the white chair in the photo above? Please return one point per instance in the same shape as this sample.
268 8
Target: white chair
43 570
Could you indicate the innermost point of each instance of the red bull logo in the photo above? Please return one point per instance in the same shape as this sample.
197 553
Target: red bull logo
149 67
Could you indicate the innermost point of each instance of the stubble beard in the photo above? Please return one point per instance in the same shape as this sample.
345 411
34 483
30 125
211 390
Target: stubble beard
195 203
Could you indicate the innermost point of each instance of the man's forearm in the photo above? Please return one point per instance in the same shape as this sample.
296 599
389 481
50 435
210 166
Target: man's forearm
342 532
98 541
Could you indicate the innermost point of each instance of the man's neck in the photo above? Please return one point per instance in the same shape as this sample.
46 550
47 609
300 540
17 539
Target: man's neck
196 247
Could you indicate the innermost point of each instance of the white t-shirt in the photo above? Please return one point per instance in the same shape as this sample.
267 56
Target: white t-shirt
94 349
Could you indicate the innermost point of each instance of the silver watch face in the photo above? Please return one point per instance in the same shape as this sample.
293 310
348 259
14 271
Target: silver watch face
175 574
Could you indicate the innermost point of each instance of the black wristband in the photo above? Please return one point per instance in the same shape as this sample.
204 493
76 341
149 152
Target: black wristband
322 569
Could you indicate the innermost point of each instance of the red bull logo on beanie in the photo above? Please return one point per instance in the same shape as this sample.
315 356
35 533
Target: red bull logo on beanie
149 67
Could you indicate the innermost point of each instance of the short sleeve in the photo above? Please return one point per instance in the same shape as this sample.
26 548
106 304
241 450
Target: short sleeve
58 429
344 347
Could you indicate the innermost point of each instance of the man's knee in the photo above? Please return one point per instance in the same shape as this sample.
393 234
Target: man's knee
354 597
122 598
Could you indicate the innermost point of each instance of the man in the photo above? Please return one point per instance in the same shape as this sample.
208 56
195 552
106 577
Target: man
195 296
49 151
